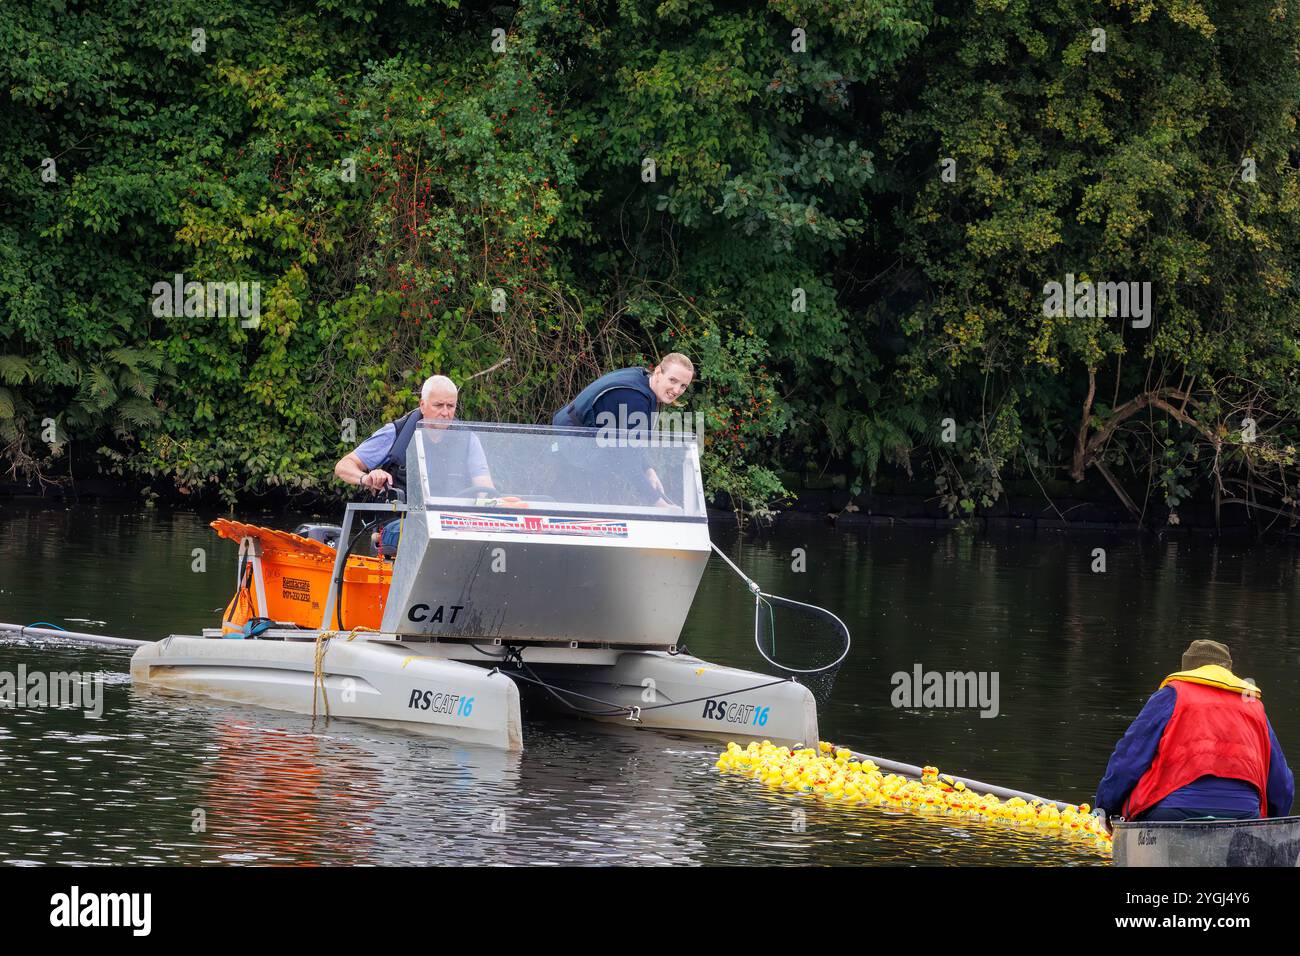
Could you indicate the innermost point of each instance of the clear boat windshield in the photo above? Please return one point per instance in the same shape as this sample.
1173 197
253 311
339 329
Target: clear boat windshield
487 465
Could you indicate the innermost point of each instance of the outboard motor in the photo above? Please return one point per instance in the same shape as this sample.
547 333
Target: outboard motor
327 534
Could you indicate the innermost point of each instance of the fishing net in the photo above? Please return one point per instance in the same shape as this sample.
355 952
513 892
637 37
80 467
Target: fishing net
802 641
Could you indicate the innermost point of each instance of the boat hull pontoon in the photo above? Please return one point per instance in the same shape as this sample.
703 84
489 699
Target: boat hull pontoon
423 688
363 680
686 694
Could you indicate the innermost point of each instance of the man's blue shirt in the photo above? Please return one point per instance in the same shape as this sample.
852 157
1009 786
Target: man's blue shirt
374 450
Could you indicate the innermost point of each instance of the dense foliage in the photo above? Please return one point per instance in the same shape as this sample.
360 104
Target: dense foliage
845 210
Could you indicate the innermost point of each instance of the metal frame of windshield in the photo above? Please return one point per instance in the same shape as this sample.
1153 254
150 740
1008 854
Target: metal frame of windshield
655 514
456 424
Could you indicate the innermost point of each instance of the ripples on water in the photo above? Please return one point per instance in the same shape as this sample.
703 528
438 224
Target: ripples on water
124 789
1078 653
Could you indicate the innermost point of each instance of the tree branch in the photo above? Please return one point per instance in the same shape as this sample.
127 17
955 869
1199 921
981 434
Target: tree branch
1076 472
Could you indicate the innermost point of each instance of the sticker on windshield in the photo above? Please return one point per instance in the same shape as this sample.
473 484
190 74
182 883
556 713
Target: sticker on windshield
534 524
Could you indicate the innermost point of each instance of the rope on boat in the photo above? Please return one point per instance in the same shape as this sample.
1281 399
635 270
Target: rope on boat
318 673
631 712
318 669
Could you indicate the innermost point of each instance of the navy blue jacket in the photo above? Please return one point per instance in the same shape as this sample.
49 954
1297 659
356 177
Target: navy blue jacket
623 393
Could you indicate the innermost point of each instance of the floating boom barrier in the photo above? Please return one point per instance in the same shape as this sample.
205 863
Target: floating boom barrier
57 633
842 776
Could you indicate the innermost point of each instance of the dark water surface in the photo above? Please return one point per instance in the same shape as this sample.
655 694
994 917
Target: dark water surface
1076 653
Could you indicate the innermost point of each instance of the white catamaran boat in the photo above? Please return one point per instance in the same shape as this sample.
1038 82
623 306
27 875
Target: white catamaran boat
563 581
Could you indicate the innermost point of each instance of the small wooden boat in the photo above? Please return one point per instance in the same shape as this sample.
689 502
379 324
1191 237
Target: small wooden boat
1273 841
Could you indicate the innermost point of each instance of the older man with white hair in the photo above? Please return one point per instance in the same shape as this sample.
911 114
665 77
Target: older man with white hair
379 462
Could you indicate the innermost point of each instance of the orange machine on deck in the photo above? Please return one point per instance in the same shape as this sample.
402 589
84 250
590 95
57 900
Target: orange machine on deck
295 581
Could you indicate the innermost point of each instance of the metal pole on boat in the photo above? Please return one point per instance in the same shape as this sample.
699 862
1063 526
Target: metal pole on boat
978 786
22 631
761 597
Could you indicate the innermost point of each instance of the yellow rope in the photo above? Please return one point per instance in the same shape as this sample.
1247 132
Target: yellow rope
318 673
318 670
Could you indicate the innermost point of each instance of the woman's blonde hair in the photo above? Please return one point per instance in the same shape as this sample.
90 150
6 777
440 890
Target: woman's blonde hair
680 359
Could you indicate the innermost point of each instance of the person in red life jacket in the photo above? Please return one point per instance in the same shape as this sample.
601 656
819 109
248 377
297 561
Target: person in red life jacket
628 400
1202 747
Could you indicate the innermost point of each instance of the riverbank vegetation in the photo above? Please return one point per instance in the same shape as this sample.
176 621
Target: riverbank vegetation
849 212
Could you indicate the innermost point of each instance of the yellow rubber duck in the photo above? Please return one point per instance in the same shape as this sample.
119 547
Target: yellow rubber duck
831 773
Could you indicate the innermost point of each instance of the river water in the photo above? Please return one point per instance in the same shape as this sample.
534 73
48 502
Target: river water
184 780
